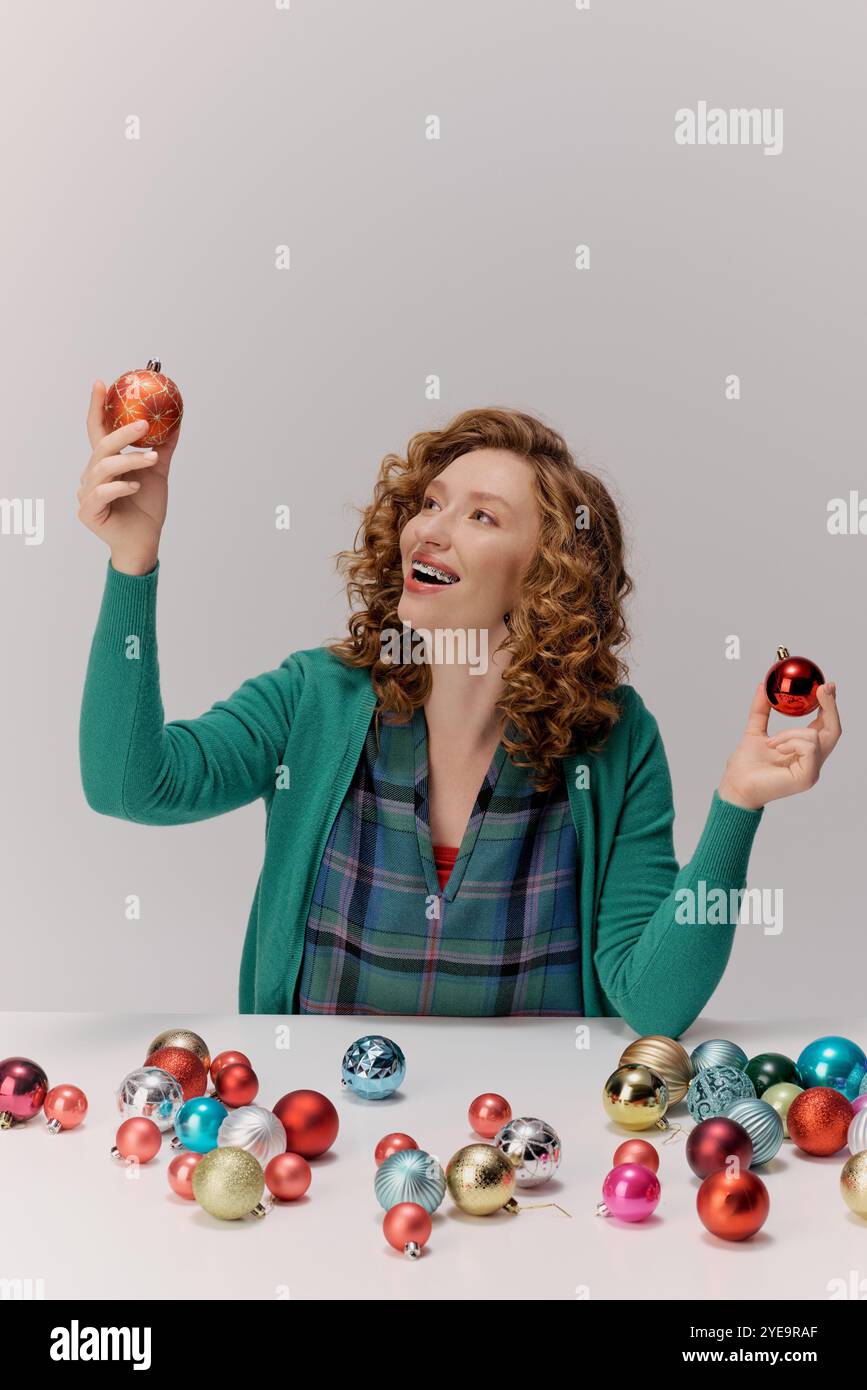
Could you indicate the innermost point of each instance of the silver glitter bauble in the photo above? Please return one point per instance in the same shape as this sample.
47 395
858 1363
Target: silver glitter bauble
717 1052
533 1147
151 1093
255 1129
373 1067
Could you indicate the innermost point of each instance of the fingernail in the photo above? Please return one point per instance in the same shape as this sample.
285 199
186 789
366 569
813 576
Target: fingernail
141 425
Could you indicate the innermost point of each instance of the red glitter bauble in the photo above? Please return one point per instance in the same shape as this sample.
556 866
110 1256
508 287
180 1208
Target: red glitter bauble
181 1171
406 1222
733 1206
288 1176
637 1151
391 1144
224 1059
713 1143
189 1072
138 1139
791 683
145 394
65 1107
237 1084
310 1120
818 1120
488 1113
23 1088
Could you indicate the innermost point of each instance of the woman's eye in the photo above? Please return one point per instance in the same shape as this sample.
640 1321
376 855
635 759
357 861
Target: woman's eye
426 502
487 516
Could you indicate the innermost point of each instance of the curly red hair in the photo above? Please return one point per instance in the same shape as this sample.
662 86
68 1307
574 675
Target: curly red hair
565 633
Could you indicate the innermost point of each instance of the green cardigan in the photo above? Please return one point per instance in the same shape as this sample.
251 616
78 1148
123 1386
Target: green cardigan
293 737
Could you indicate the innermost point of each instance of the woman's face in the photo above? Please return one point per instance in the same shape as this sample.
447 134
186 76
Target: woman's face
466 550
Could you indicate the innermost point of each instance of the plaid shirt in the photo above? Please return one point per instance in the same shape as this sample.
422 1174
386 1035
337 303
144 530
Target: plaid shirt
502 938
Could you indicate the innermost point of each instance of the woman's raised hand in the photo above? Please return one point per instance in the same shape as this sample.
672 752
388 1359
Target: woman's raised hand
763 769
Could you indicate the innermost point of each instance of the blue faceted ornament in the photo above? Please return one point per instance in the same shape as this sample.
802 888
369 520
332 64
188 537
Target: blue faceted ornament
836 1062
197 1123
410 1175
717 1052
715 1089
762 1124
373 1067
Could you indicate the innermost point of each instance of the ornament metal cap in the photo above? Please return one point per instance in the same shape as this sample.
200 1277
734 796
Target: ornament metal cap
6 1120
54 1126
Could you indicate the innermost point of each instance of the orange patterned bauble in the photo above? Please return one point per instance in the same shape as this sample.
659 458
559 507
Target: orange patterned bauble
818 1120
189 1072
146 394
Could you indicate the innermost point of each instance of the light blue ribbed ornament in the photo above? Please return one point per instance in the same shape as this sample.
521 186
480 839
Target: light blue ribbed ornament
410 1175
373 1067
197 1123
717 1052
715 1089
836 1062
762 1124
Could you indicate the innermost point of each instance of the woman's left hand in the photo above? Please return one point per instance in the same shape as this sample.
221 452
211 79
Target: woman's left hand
763 769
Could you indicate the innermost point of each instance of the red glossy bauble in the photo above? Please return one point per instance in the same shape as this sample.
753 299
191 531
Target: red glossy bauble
237 1084
407 1222
65 1107
310 1120
181 1171
145 394
488 1113
138 1139
637 1151
391 1144
189 1072
223 1059
288 1176
714 1143
733 1206
818 1120
791 683
23 1088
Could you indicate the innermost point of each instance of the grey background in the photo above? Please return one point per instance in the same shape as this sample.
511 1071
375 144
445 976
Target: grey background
411 257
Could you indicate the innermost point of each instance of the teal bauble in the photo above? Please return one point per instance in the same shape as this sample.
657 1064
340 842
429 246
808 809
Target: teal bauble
197 1123
410 1175
717 1052
771 1068
715 1089
762 1124
862 1089
835 1062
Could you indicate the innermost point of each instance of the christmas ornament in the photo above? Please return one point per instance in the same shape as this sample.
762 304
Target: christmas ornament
255 1129
23 1088
373 1067
533 1147
197 1124
145 394
836 1062
187 1069
288 1176
65 1107
223 1059
310 1121
635 1098
407 1228
630 1192
236 1084
780 1097
229 1184
481 1180
664 1057
771 1069
853 1183
715 1089
762 1124
181 1170
791 683
856 1134
410 1175
859 1102
717 1052
181 1037
819 1120
715 1142
137 1140
392 1144
862 1089
152 1094
488 1113
733 1206
637 1151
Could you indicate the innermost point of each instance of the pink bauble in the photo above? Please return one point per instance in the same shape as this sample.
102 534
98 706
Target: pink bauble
288 1176
631 1192
859 1102
181 1171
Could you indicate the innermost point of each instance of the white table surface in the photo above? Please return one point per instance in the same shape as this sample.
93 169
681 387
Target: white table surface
75 1221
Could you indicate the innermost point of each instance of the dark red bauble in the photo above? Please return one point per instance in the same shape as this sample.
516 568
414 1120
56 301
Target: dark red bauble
713 1143
818 1120
310 1120
146 394
223 1059
791 683
236 1084
23 1088
733 1207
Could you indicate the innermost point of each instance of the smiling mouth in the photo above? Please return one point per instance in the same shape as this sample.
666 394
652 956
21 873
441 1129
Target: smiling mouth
426 573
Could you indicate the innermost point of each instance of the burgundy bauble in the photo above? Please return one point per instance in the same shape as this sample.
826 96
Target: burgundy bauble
791 683
713 1143
23 1088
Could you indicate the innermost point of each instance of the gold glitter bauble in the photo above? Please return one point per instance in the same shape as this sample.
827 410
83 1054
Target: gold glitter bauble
664 1057
229 1183
853 1183
635 1097
780 1096
182 1037
481 1180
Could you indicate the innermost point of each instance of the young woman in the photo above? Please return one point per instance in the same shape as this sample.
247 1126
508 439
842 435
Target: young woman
486 830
